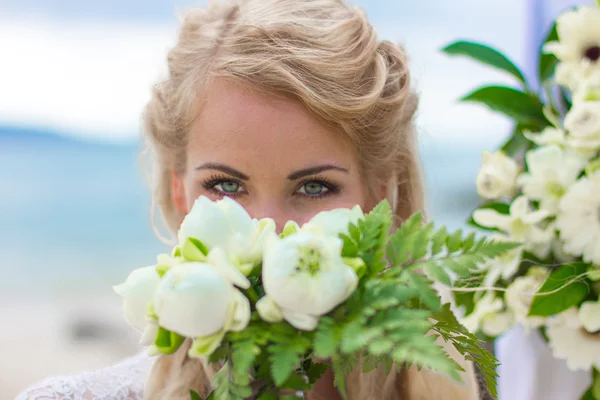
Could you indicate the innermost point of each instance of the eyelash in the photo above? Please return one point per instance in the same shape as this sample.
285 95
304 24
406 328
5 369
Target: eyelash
331 187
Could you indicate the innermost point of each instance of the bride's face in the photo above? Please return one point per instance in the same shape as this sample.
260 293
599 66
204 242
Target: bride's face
270 154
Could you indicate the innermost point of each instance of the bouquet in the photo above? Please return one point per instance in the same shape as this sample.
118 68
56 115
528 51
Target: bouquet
266 307
542 189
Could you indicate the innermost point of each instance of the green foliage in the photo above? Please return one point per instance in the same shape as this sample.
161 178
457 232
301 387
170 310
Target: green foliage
392 319
524 108
167 342
548 62
566 293
485 55
467 344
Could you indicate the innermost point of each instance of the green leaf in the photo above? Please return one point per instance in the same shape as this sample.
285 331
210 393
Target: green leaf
596 383
467 344
569 293
283 360
525 109
548 62
427 295
485 55
326 338
167 342
315 371
342 365
194 395
194 250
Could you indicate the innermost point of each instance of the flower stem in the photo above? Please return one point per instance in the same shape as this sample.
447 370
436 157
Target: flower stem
252 295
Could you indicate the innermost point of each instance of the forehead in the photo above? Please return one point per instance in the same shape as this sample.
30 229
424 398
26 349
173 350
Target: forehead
252 130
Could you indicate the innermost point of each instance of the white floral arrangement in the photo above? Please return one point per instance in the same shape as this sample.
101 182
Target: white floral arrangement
542 190
266 308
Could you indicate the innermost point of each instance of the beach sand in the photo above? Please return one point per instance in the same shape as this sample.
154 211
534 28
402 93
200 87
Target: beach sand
60 336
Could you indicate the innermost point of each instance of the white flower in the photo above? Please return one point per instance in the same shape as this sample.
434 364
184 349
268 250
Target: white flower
196 300
488 316
521 224
583 124
226 224
503 266
137 292
519 296
569 340
496 324
551 172
333 222
579 47
589 314
497 176
305 276
579 219
549 136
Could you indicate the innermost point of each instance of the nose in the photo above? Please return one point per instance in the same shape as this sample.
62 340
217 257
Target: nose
270 208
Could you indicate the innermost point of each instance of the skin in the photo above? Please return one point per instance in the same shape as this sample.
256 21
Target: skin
259 149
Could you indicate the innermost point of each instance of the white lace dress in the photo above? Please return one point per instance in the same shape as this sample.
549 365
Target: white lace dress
124 381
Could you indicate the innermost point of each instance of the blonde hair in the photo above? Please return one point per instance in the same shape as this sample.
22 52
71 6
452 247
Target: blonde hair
323 53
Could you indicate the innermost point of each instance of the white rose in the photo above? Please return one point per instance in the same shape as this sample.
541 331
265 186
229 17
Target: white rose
589 314
305 276
487 313
226 224
334 222
137 292
519 296
497 176
196 300
583 124
521 224
551 172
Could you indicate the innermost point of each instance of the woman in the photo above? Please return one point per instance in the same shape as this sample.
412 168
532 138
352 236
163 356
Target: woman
290 107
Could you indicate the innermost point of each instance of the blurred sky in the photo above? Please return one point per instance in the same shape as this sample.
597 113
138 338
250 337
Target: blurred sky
84 68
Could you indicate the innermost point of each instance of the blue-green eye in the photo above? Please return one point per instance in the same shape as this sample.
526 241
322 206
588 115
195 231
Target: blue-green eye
228 187
313 188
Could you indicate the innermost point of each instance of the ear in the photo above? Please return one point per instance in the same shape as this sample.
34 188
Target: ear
178 192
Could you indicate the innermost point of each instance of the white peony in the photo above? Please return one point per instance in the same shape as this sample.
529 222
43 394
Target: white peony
226 224
503 266
519 296
579 47
137 292
333 222
488 316
497 176
196 300
305 276
521 224
589 314
583 124
579 219
570 341
550 173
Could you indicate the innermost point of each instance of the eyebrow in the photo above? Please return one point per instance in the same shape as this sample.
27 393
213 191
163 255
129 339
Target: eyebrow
314 170
224 168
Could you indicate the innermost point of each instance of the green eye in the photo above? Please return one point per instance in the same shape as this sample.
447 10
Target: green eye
313 189
228 187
